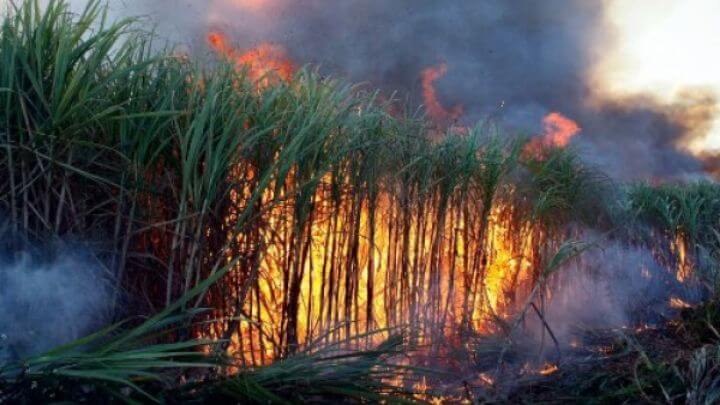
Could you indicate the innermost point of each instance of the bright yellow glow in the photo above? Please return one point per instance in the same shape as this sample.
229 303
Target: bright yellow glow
662 48
249 4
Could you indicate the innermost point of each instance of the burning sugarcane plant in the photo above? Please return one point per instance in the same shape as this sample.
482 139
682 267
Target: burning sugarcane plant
258 232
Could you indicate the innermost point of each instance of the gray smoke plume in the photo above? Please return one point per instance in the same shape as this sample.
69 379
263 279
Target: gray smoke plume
45 303
611 286
530 57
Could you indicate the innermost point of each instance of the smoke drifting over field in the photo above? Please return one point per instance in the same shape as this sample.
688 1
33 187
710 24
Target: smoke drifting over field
515 61
610 287
47 303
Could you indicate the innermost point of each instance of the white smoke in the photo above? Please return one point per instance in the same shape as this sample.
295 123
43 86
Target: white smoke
612 286
47 303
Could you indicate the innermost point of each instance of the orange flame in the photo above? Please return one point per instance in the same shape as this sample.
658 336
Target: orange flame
685 264
434 108
250 4
262 62
679 303
486 379
558 130
549 369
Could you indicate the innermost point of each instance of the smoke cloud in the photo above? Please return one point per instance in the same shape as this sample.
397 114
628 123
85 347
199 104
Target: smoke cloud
609 287
516 61
45 303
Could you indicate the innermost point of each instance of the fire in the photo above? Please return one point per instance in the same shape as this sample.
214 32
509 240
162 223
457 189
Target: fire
421 387
364 268
359 267
486 379
548 369
264 63
684 262
644 327
250 4
435 110
679 303
558 131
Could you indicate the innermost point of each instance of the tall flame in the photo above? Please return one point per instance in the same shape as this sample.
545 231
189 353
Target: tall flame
263 63
435 110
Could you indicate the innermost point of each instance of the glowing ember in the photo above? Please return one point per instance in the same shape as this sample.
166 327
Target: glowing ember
264 63
548 369
421 386
433 107
678 303
644 327
486 379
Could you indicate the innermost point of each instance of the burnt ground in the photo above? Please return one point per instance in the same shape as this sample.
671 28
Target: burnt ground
675 361
612 366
